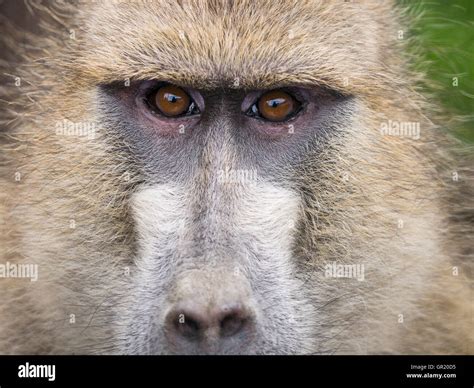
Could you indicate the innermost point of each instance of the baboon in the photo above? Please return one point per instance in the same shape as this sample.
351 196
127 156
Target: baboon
228 177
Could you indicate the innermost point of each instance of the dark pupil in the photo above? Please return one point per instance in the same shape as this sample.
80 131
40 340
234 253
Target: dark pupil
171 97
275 102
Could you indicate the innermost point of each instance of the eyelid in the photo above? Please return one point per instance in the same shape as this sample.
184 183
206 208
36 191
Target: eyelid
196 97
250 99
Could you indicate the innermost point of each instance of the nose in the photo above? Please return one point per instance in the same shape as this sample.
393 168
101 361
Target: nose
196 323
210 311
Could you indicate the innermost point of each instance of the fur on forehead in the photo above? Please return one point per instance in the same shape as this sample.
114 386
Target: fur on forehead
244 43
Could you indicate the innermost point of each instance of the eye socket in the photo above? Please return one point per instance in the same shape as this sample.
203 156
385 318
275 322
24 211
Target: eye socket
172 101
275 105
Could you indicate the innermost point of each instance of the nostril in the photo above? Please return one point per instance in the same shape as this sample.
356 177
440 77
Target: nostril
187 326
232 324
208 324
184 324
233 320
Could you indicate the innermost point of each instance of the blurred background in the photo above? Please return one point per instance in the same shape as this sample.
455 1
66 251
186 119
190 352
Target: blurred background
445 41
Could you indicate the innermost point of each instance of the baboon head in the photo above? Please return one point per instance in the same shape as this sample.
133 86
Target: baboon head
196 169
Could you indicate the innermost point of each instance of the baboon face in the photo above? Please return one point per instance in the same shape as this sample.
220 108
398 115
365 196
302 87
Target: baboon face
222 135
219 210
228 167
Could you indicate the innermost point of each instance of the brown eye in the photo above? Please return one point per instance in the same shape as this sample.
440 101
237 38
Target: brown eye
172 101
276 105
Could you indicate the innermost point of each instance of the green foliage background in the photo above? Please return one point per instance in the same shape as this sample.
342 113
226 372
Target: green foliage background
445 38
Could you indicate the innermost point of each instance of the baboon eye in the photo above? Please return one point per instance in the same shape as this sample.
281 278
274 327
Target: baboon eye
275 105
172 101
